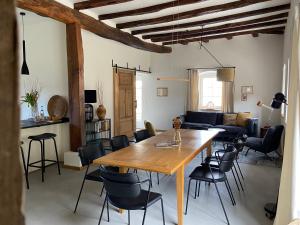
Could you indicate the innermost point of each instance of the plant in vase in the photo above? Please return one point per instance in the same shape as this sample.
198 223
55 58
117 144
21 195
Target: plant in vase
177 125
101 110
31 97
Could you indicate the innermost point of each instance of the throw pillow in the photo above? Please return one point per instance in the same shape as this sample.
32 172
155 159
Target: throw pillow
242 118
149 127
229 119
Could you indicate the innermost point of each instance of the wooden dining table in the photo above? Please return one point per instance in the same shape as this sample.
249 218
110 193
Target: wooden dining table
145 155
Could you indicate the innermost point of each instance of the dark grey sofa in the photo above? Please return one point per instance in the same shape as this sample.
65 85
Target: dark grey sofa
206 120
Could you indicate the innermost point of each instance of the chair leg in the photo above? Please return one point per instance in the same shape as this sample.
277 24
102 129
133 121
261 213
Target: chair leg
229 187
107 208
238 165
24 166
144 217
235 180
238 177
221 202
196 188
199 188
57 160
102 190
102 210
162 211
128 217
229 192
247 151
157 176
187 197
81 190
150 174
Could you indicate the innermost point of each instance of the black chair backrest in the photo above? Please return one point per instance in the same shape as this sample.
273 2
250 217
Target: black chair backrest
272 138
89 153
227 160
141 135
121 185
119 142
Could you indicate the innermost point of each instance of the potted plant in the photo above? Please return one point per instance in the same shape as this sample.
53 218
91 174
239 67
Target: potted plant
31 99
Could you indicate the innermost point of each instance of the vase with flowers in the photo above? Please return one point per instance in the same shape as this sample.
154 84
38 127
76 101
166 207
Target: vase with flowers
101 110
31 97
177 126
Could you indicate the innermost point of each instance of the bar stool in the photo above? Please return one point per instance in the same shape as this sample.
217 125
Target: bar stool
41 138
24 165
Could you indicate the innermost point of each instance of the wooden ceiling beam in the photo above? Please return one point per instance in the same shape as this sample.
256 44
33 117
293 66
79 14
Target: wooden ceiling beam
97 3
274 30
67 15
263 20
214 20
222 31
190 14
149 9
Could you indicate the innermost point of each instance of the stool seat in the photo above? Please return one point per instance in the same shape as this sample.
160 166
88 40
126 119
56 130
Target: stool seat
43 136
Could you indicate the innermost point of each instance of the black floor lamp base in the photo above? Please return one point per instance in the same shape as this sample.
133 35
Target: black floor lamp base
270 209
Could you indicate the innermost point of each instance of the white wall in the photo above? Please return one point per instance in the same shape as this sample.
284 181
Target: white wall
258 62
46 58
98 56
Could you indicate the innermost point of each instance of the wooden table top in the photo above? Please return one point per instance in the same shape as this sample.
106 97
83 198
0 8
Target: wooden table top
146 156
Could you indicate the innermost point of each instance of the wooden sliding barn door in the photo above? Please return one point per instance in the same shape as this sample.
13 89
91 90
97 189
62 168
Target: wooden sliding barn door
124 102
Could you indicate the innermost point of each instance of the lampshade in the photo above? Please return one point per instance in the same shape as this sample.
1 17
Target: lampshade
226 74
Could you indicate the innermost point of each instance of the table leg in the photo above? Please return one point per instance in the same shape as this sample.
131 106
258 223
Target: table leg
209 148
122 170
180 193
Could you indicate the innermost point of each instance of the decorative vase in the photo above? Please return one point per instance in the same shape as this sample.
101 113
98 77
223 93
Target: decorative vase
101 112
35 112
177 125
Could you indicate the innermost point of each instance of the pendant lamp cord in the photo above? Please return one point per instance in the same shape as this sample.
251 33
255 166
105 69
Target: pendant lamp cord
23 26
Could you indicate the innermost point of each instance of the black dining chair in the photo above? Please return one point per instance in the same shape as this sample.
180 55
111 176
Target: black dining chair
87 155
124 191
214 175
119 142
269 143
141 135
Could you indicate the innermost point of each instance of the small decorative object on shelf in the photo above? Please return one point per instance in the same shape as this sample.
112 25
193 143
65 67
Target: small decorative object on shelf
101 110
31 97
98 130
177 125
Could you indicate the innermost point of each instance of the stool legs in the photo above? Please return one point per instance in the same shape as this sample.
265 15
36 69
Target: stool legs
28 157
42 160
25 167
58 168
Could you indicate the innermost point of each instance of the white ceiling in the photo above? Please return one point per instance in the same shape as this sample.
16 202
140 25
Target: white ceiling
135 4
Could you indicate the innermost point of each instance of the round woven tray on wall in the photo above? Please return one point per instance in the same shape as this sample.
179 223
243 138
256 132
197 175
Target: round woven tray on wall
57 107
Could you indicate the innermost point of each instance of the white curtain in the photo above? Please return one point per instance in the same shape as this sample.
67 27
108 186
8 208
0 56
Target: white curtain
193 91
289 194
227 97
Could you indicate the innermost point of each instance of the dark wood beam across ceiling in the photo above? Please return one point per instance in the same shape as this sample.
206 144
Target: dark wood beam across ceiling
67 15
190 14
214 20
220 27
274 30
222 31
149 9
97 3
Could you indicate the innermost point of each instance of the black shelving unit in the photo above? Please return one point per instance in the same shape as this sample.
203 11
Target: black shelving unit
98 131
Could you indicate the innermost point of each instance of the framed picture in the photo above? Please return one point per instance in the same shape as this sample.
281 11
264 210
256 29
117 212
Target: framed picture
162 91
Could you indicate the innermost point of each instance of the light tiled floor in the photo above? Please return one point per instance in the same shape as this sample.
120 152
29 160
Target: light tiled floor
53 201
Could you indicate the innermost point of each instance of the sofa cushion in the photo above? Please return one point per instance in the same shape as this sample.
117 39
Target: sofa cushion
229 119
198 126
219 120
242 118
201 117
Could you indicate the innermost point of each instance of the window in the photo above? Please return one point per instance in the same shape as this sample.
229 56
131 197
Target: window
210 91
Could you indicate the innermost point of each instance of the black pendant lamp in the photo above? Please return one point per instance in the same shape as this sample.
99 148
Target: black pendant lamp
24 68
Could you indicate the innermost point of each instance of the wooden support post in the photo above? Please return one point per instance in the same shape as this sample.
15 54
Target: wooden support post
10 170
76 86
